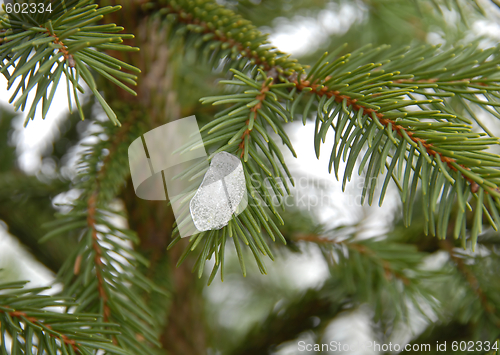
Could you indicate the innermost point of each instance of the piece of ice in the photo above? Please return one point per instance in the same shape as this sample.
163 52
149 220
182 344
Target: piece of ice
221 194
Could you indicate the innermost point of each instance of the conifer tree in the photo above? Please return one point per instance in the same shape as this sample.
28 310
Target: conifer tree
403 113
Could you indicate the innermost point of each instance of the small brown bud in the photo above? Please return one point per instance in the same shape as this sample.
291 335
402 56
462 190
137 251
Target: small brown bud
71 61
78 262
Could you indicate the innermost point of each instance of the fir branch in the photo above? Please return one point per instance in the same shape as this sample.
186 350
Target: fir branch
222 31
363 121
363 101
386 274
377 253
40 48
460 76
23 316
102 273
390 273
403 132
247 138
472 281
391 124
369 102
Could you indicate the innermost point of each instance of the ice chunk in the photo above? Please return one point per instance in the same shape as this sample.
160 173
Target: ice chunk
221 194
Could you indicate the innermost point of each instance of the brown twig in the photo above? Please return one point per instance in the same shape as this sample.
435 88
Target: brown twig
64 49
91 205
400 130
68 57
188 18
91 220
385 121
261 97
